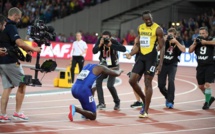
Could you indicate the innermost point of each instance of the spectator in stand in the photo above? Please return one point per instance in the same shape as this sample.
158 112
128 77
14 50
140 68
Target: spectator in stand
48 10
131 37
191 24
58 37
71 38
196 33
63 38
187 41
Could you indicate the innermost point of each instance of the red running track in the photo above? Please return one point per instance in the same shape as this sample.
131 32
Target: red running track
48 111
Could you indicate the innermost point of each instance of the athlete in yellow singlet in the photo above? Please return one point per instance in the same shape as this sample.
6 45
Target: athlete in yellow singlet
149 34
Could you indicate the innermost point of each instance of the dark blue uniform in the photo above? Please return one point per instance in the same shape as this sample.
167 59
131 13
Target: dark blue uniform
81 89
7 40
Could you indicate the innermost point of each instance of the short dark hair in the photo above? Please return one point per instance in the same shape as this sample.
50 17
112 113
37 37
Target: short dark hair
146 12
2 19
106 33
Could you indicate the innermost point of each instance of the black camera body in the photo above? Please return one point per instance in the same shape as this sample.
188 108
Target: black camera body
199 39
106 40
170 37
39 32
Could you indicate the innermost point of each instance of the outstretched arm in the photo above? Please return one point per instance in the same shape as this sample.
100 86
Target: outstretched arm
135 49
208 42
100 69
192 47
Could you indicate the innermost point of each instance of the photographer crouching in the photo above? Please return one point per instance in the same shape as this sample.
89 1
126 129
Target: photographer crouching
108 48
203 46
10 69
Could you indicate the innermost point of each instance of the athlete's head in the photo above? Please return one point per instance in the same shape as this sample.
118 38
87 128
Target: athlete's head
203 31
147 18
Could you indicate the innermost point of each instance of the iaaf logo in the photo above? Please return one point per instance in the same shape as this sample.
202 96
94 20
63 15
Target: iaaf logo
57 50
61 50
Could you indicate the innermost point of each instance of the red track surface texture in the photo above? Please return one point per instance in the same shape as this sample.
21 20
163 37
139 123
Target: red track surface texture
48 112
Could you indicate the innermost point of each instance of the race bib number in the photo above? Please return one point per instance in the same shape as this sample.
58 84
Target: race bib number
152 69
91 99
83 74
109 62
144 41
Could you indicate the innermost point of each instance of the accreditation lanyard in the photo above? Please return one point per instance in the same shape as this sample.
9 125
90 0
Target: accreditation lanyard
170 49
106 53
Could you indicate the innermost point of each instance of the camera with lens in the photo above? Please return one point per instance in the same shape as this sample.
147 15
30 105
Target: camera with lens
106 40
199 39
170 37
41 33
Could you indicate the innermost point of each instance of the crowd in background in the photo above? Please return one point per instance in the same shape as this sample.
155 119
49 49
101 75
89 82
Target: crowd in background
46 10
50 10
187 30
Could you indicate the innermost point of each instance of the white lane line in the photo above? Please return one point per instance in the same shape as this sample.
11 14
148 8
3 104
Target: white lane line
152 106
106 110
121 94
185 130
123 125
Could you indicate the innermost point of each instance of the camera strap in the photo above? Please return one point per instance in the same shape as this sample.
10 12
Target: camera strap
106 53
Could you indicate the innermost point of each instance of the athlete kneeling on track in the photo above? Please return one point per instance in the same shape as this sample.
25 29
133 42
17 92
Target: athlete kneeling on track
82 90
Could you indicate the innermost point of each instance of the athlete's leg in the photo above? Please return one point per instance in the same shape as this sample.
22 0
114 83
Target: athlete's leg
85 97
135 85
148 92
136 96
87 114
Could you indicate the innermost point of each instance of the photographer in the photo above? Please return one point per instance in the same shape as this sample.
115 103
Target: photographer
203 46
173 49
108 49
10 69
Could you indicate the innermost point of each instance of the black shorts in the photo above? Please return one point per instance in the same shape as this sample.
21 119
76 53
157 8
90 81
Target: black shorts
205 74
146 64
